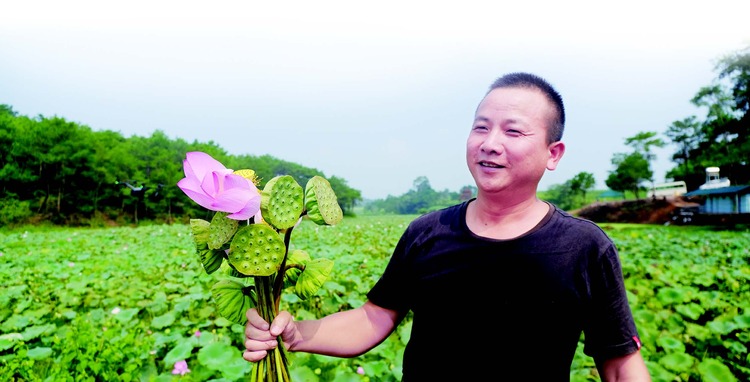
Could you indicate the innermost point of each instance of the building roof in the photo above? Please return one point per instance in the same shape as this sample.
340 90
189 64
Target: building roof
731 190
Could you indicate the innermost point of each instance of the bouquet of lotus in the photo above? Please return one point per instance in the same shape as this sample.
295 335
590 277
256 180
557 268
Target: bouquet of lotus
248 240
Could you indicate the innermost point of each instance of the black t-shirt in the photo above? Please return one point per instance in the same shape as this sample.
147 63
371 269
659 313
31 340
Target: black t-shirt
499 309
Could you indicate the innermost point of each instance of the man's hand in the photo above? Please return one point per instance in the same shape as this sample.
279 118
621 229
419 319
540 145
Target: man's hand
261 337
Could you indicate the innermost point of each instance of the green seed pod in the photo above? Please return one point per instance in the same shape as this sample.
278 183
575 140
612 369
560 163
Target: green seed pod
199 229
321 203
256 250
210 258
231 300
221 230
281 202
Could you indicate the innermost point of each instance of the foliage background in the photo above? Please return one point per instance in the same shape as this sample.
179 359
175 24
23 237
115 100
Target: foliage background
127 303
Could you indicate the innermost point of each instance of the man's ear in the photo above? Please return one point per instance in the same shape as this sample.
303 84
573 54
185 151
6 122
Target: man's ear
556 151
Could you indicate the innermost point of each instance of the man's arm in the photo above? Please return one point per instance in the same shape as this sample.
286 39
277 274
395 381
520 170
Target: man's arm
342 334
631 368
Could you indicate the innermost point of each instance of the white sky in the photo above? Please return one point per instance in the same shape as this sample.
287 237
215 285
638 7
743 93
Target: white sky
378 93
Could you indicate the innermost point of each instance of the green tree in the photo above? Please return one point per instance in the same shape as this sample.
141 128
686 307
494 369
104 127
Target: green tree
685 134
643 143
723 138
572 193
631 170
582 183
561 195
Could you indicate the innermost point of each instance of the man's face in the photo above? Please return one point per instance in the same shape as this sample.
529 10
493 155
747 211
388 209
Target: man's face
507 147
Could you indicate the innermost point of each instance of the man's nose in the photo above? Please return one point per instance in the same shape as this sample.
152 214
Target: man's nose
494 142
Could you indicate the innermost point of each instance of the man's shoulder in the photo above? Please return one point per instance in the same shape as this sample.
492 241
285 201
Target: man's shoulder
566 223
444 216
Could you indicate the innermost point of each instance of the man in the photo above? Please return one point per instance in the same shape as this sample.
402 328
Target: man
502 286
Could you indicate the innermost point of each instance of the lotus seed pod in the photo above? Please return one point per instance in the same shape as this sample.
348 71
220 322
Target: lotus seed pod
321 203
200 231
231 300
281 202
256 250
221 230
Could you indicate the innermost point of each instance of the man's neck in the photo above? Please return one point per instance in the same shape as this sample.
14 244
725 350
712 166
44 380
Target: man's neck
497 220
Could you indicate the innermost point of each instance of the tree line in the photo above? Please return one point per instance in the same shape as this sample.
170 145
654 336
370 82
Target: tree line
66 173
57 171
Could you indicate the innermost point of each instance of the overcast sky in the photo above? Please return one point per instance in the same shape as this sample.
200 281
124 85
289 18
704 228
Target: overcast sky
378 93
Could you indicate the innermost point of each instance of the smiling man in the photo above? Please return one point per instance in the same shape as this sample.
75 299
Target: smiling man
502 286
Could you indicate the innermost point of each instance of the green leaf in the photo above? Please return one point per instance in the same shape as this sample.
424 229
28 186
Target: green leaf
691 310
35 331
231 300
303 373
295 257
7 341
236 368
182 351
722 327
312 278
671 344
659 373
163 321
15 322
712 370
126 315
743 321
215 355
670 296
38 353
678 362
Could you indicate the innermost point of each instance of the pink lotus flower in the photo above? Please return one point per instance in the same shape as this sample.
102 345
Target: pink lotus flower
215 187
181 368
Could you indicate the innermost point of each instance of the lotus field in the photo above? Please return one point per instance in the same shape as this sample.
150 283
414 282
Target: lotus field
134 304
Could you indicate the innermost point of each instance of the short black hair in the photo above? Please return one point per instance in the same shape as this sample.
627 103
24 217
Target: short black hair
528 80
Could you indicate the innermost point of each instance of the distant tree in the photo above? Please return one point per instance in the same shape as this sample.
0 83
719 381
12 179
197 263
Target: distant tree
572 193
561 195
685 134
582 183
723 138
66 173
643 143
421 198
630 171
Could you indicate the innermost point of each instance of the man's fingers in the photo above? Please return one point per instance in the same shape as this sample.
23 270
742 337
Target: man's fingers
254 356
254 319
280 323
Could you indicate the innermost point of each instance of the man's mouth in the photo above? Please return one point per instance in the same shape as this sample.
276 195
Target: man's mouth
490 164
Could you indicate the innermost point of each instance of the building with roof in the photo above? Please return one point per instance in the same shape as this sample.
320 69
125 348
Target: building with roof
722 200
718 201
